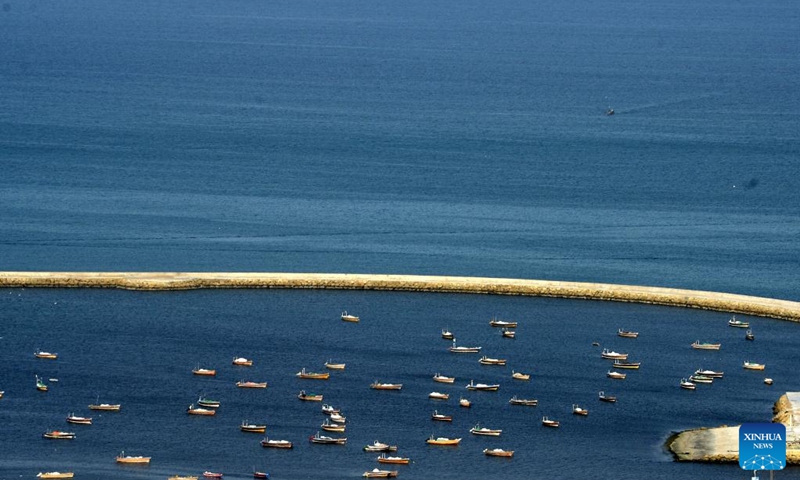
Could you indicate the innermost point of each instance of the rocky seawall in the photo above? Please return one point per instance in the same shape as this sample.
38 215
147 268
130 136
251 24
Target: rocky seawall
725 302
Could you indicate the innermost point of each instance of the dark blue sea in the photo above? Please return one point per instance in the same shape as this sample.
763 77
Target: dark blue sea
412 137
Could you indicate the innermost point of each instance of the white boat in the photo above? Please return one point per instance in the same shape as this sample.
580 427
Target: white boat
502 323
482 386
748 365
440 417
768 381
550 423
527 402
709 373
464 402
377 446
457 349
701 379
738 323
506 333
338 418
346 317
579 411
478 430
498 452
484 360
705 346
520 376
447 334
329 409
612 355
385 386
334 366
616 375
443 379
627 334
439 396
686 384
627 365
607 398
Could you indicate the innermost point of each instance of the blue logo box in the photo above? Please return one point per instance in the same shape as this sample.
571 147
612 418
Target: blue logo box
762 446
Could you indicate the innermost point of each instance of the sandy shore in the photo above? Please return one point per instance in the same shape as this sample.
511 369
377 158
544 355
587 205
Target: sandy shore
721 444
726 302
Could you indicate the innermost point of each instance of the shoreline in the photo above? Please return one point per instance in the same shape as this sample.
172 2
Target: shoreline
705 300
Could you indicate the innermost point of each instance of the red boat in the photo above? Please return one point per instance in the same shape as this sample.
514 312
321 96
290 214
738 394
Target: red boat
260 474
208 474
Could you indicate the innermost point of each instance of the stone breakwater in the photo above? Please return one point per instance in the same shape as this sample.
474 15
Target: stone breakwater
725 302
721 444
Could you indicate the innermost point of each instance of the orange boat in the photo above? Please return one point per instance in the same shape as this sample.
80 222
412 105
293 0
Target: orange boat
242 362
45 355
192 410
204 372
443 441
394 460
311 375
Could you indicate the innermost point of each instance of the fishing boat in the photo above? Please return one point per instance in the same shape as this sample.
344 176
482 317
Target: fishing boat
447 334
709 373
440 417
464 402
443 441
506 333
378 473
182 477
627 334
209 474
688 385
768 381
456 349
267 443
612 355
482 386
45 355
607 398
498 452
332 427
385 386
520 376
550 423
526 402
192 410
346 317
334 366
58 435
383 458
248 427
748 365
576 410
377 446
627 365
338 418
609 112
312 375
329 409
705 346
738 323
309 397
478 430
502 323
40 385
701 379
443 379
242 362
205 372
248 384
208 403
438 396
133 460
484 360
55 475
748 335
616 375
325 440
257 474
105 407
72 418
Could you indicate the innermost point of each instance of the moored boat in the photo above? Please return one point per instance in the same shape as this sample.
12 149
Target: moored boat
58 435
105 407
738 323
607 398
697 345
267 443
2 393
498 452
204 372
377 446
687 385
346 317
209 474
385 386
249 384
520 376
464 402
208 402
576 410
55 475
330 365
440 417
393 460
72 418
709 373
478 430
257 474
325 440
456 349
192 410
438 396
329 409
527 402
627 365
748 365
309 397
248 427
616 375
443 441
242 362
182 477
612 355
484 360
701 379
550 423
768 381
502 323
332 427
748 335
45 355
482 386
627 333
40 385
447 334
337 417
312 375
443 379
378 473
133 460
506 333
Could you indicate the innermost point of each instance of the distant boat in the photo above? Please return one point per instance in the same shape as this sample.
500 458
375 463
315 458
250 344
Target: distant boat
579 411
55 475
40 385
686 384
385 386
192 410
478 430
443 379
506 333
527 402
498 452
378 473
748 365
244 384
748 335
394 460
332 427
182 477
242 362
616 375
349 318
610 111
447 334
464 402
627 334
701 379
334 366
204 371
58 435
309 397
248 427
502 323
484 360
612 355
709 373
45 355
457 349
550 423
627 365
738 323
607 398
439 396
128 459
443 441
267 443
705 346
520 376
257 474
768 381
209 474
207 402
328 409
336 417
482 386
106 407
325 440
312 375
440 417
377 446
2 393
72 418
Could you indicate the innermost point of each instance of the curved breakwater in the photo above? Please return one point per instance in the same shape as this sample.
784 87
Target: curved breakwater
726 302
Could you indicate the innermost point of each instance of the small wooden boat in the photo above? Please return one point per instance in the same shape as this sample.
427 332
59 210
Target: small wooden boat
248 427
443 379
378 473
438 396
332 427
346 317
132 460
709 373
550 423
457 349
58 435
55 475
502 323
607 398
738 323
72 418
209 474
242 362
478 430
443 441
627 334
257 474
526 402
329 409
393 460
385 386
701 379
748 335
105 407
697 345
182 477
447 334
208 403
520 376
40 385
338 418
377 446
616 375
325 440
334 366
576 410
612 355
482 386
267 443
248 384
627 365
484 360
748 365
192 410
309 397
768 381
312 375
506 333
45 355
464 402
498 452
688 385
205 372
439 417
